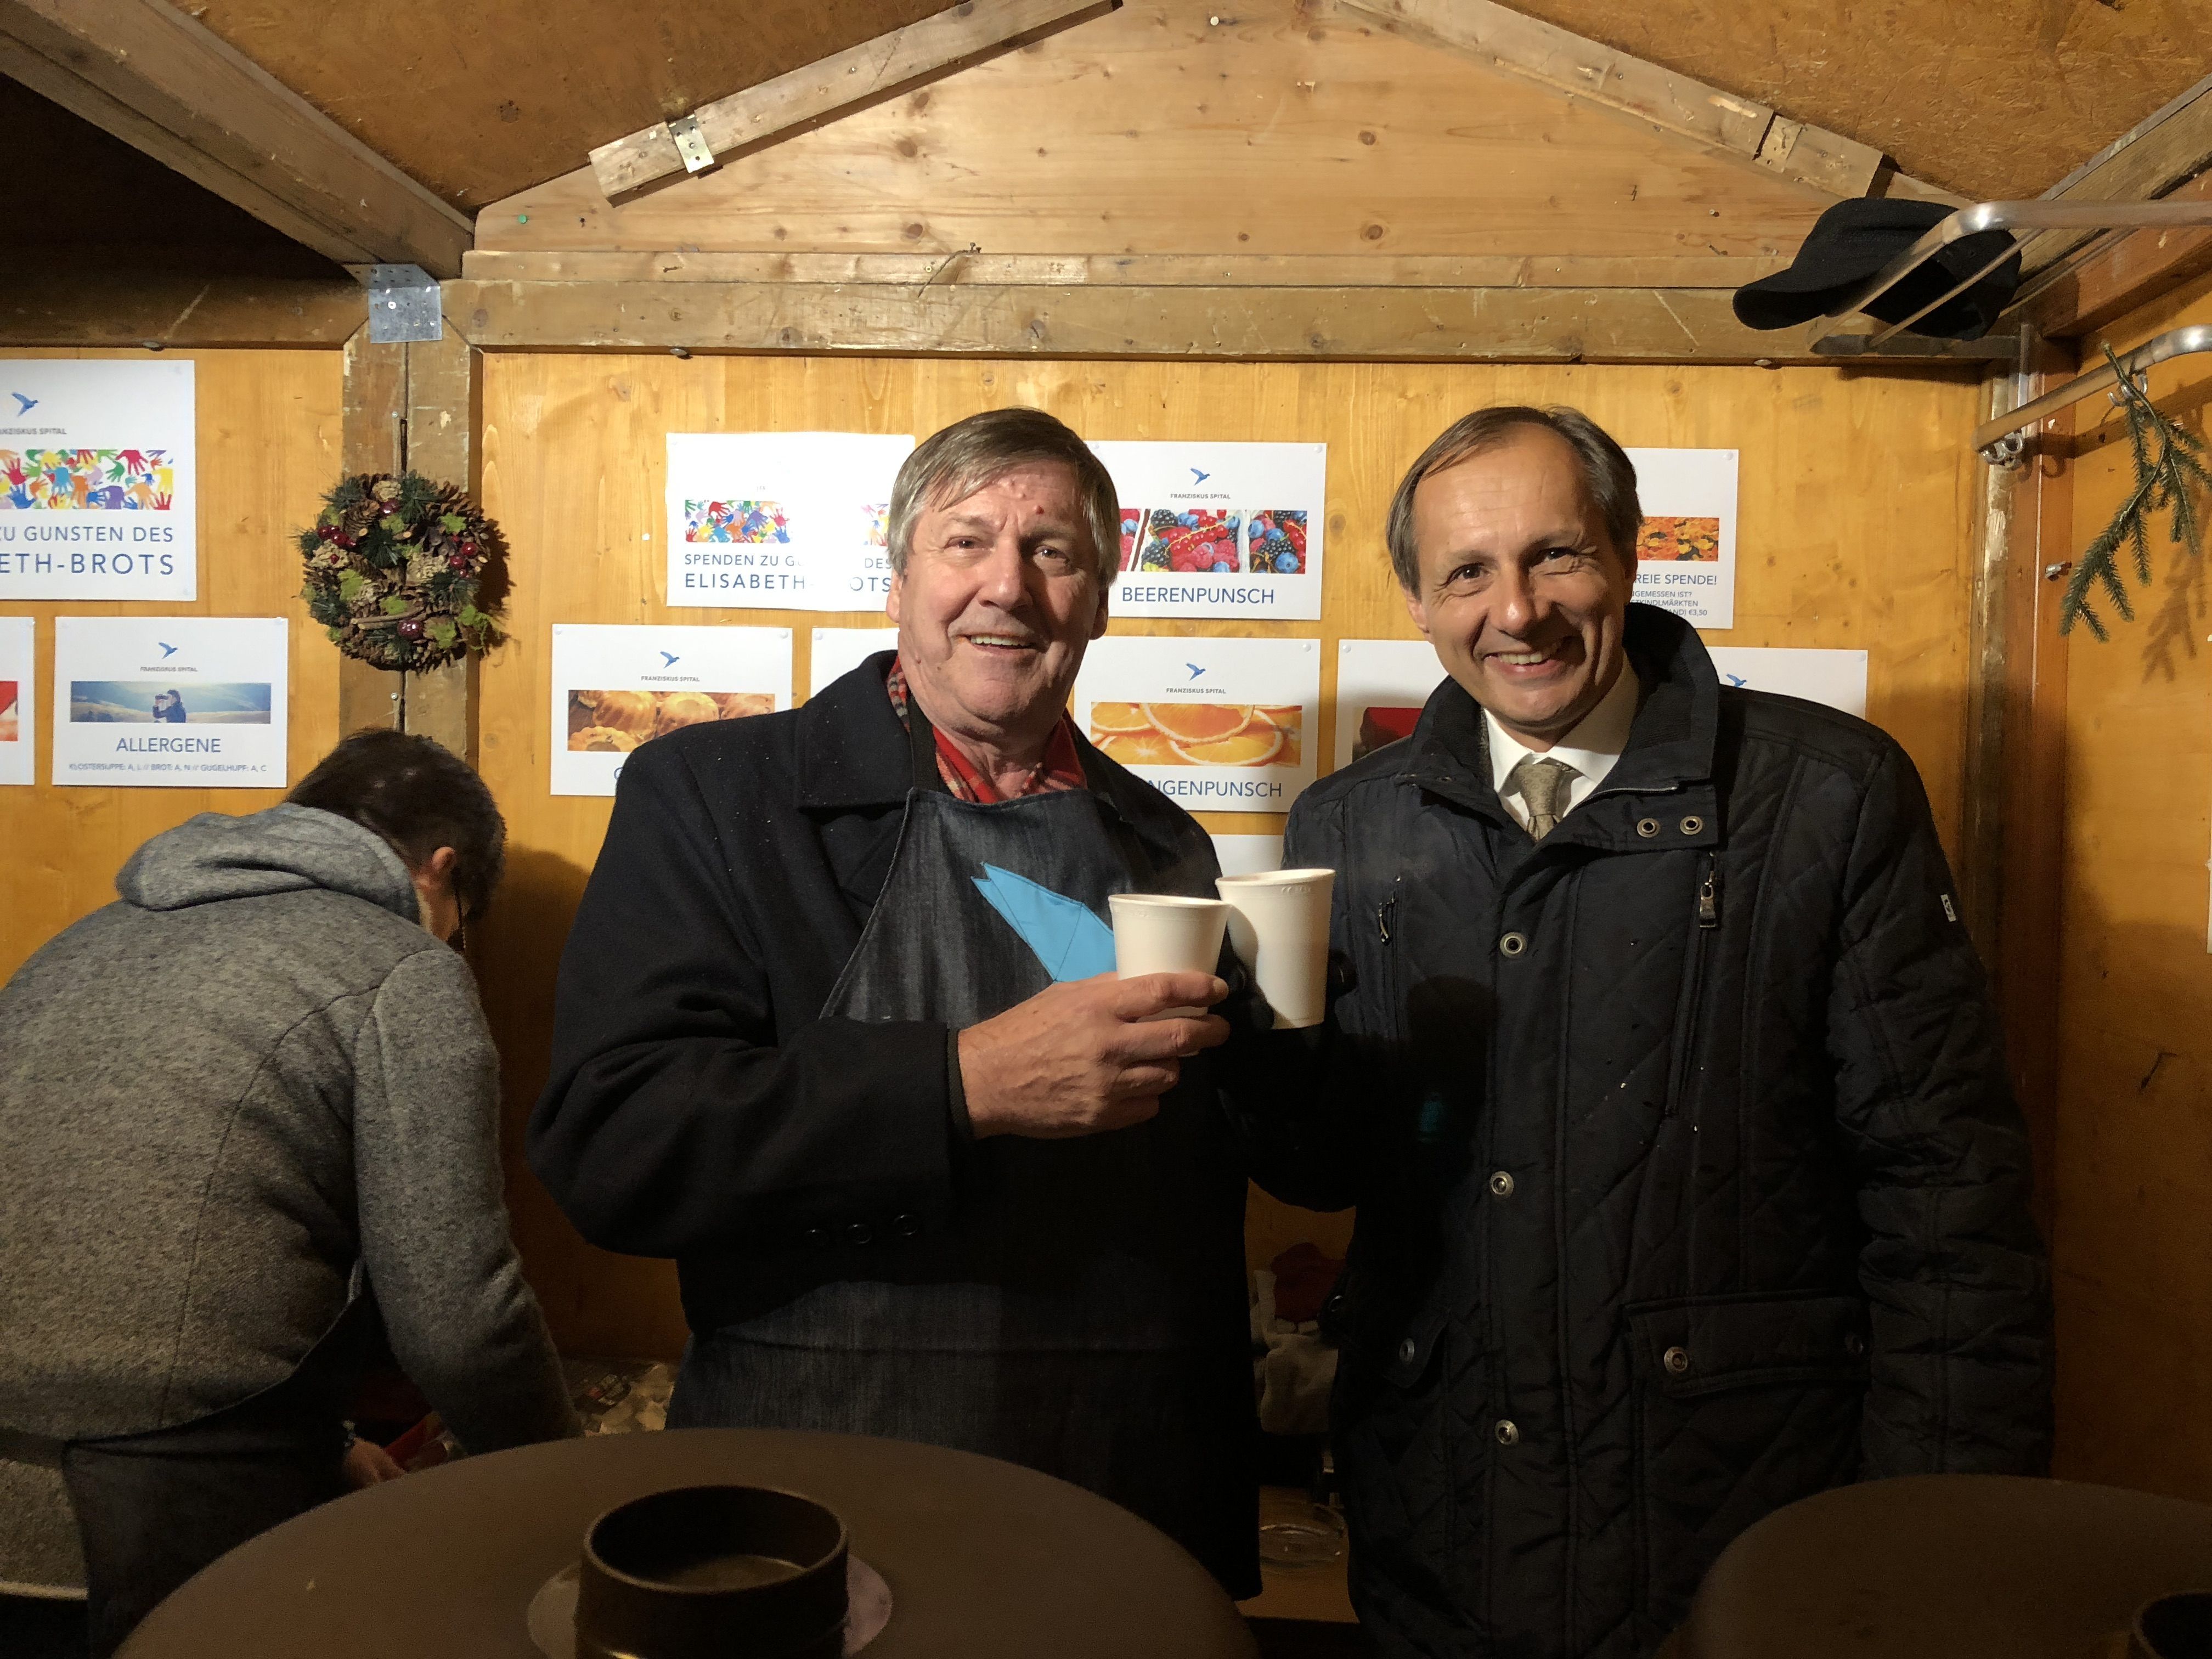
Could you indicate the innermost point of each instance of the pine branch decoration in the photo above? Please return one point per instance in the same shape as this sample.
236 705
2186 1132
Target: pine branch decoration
2169 469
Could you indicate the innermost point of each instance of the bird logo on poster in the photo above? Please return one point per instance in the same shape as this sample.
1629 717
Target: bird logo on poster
669 660
167 650
1197 476
1735 679
27 404
1195 671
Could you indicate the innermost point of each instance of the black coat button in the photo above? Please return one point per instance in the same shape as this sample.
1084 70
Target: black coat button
819 1237
859 1232
906 1225
1512 945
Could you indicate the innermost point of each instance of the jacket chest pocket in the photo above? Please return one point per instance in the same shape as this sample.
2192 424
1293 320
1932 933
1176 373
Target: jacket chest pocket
1683 1063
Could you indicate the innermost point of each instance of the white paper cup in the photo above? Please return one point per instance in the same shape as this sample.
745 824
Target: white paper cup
1167 934
1278 928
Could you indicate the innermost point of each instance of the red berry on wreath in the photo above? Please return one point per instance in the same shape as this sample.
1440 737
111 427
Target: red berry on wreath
411 628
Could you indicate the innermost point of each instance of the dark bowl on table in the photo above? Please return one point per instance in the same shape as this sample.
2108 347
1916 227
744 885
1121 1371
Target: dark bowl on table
713 1572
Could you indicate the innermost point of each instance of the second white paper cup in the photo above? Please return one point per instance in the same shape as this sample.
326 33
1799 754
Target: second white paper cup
1278 928
1167 934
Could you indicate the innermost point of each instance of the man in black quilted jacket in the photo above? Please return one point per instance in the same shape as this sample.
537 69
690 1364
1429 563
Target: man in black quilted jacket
1662 1074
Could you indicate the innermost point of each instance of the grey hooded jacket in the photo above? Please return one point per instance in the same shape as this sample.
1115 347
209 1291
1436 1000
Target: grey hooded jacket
217 1097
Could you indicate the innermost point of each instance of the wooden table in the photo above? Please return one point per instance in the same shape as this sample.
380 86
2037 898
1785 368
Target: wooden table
1964 1566
982 1557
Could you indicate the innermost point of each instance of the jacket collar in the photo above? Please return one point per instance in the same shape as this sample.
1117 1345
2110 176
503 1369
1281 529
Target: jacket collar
854 752
1670 743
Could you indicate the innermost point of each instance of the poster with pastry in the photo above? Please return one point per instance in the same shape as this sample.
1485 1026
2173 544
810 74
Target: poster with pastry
1685 550
614 688
1219 725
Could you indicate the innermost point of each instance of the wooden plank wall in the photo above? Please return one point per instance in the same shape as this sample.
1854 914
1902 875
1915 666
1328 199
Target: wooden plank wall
268 449
2133 1170
1856 504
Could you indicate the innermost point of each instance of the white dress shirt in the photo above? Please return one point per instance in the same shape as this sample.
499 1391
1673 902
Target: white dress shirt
1591 748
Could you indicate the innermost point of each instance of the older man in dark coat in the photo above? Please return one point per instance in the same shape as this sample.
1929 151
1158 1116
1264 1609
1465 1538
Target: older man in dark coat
838 1030
1661 1072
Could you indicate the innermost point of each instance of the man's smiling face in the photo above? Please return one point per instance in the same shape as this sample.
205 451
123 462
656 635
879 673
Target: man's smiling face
1522 591
1000 596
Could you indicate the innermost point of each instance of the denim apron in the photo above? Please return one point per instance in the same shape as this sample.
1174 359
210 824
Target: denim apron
1085 1313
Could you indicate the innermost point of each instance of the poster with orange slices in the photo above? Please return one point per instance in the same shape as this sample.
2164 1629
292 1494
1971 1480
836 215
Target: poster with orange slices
17 718
617 687
1687 550
1381 687
1219 529
1222 724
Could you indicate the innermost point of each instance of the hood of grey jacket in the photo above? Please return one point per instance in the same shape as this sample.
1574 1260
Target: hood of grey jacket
285 849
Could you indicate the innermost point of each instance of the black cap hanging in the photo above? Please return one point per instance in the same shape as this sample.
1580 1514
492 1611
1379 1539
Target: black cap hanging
1853 240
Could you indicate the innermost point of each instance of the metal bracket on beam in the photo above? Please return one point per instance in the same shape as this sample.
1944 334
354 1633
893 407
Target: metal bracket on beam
691 144
404 305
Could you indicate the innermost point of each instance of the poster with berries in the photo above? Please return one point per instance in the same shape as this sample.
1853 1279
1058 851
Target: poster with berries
1382 686
1219 529
17 715
616 688
1226 726
780 520
1685 552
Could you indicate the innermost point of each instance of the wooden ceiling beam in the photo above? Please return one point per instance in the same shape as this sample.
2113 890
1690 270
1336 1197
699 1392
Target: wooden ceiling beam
1364 324
1282 270
147 73
44 302
1527 47
806 98
2144 164
2129 271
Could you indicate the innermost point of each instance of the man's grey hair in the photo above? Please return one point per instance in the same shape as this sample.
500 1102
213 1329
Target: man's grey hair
1608 476
956 462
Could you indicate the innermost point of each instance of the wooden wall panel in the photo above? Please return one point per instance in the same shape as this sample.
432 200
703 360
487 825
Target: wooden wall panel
268 448
2133 1169
1854 533
1173 126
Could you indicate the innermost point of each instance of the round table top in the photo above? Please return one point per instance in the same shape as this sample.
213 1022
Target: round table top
981 1557
1969 1566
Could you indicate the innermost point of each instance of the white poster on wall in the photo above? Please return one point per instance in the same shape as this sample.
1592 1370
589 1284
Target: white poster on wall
170 701
837 652
616 687
1686 553
780 520
1248 855
1219 529
1838 678
97 497
1381 687
19 714
1225 724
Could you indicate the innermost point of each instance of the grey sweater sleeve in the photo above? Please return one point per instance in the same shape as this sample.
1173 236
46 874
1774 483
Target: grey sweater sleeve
434 1230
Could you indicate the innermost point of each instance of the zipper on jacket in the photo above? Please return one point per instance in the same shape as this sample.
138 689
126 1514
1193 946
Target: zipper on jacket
1709 921
1384 912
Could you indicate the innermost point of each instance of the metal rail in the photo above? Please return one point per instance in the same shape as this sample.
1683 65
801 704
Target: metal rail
2016 216
1995 439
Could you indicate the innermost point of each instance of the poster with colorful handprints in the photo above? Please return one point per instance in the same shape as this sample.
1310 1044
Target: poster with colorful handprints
18 717
1685 552
780 520
1219 529
97 480
616 688
1226 724
170 701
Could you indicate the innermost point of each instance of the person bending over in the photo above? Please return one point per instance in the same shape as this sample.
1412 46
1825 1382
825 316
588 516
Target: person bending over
200 1197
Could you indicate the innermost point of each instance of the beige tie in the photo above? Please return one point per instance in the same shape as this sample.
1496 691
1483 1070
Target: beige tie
1543 784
